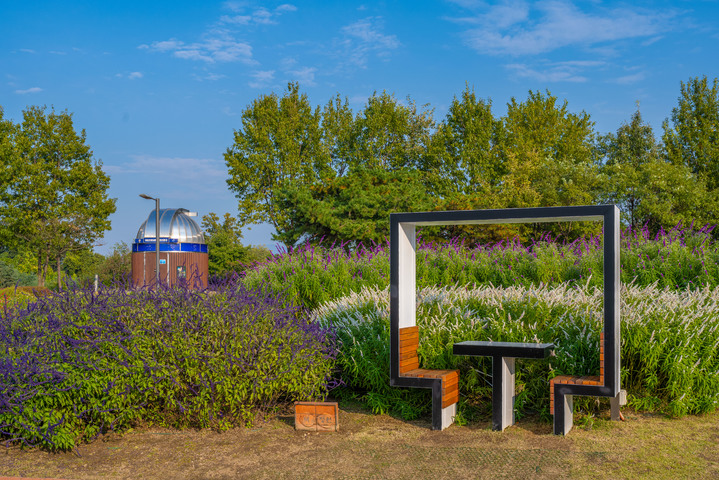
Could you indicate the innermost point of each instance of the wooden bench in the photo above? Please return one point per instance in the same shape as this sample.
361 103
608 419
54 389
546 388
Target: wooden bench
448 379
566 408
503 357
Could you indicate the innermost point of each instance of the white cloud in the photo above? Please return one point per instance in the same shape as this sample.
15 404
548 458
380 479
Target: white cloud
630 79
219 46
262 78
517 27
285 7
209 77
205 171
259 16
364 37
135 75
29 90
305 76
27 50
236 19
570 71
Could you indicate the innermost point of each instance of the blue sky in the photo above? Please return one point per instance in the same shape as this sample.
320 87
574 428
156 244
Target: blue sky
160 86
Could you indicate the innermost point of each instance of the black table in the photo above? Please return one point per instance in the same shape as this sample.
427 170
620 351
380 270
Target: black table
503 355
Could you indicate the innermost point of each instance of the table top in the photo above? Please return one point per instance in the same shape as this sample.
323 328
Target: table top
503 349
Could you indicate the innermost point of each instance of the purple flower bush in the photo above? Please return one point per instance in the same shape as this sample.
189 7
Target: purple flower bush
679 258
78 363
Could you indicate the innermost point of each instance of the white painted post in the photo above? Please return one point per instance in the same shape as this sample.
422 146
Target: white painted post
407 276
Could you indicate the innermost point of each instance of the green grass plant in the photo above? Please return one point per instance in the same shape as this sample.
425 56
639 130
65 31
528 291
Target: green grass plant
78 363
669 344
680 258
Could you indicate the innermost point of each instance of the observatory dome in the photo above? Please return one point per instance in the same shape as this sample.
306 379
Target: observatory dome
178 232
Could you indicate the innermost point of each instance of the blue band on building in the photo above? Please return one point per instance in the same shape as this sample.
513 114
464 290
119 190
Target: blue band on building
170 247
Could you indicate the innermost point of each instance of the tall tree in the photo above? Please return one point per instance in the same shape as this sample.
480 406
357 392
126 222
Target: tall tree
278 144
693 137
54 195
649 190
7 157
389 135
354 208
337 134
462 148
548 155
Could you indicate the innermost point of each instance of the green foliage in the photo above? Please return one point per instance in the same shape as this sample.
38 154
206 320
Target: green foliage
224 247
352 209
78 364
693 137
547 152
278 144
462 149
116 266
10 277
649 190
225 250
670 362
388 135
82 265
54 196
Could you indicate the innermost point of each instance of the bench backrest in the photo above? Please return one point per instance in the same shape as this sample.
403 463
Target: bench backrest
408 343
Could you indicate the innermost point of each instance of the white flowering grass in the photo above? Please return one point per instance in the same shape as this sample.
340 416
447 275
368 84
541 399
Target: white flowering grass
669 340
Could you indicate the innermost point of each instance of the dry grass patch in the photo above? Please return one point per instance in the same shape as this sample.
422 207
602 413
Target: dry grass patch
384 447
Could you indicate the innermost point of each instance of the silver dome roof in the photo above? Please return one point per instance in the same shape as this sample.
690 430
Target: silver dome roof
175 224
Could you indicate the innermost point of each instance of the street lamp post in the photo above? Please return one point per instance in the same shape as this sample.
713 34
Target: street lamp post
157 235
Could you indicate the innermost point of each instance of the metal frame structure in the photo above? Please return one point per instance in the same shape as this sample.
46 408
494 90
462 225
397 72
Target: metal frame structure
403 293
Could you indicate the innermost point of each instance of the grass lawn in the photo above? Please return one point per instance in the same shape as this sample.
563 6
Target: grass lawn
384 447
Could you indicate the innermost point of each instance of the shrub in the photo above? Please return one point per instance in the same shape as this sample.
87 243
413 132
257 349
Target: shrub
77 363
669 343
677 259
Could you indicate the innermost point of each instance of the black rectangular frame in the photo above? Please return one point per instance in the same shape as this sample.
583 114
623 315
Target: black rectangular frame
609 215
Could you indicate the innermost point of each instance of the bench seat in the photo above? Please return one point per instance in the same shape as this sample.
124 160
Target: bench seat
409 367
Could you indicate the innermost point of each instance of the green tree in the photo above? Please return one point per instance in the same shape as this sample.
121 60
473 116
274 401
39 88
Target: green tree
7 157
547 154
224 248
543 146
338 134
354 208
117 266
390 136
82 265
54 196
462 151
279 143
693 137
648 189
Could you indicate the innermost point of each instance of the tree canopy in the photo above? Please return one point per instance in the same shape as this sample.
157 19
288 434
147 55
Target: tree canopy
53 195
648 188
336 174
692 139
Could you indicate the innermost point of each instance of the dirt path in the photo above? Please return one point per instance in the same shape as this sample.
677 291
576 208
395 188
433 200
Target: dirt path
370 446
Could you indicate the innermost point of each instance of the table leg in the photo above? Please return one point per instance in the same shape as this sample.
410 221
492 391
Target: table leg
502 392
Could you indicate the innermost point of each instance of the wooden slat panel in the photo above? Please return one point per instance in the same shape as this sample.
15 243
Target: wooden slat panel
407 365
450 381
407 353
450 399
409 342
409 331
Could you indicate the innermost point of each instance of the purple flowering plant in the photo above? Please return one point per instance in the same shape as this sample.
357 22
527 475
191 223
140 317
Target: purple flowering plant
79 363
